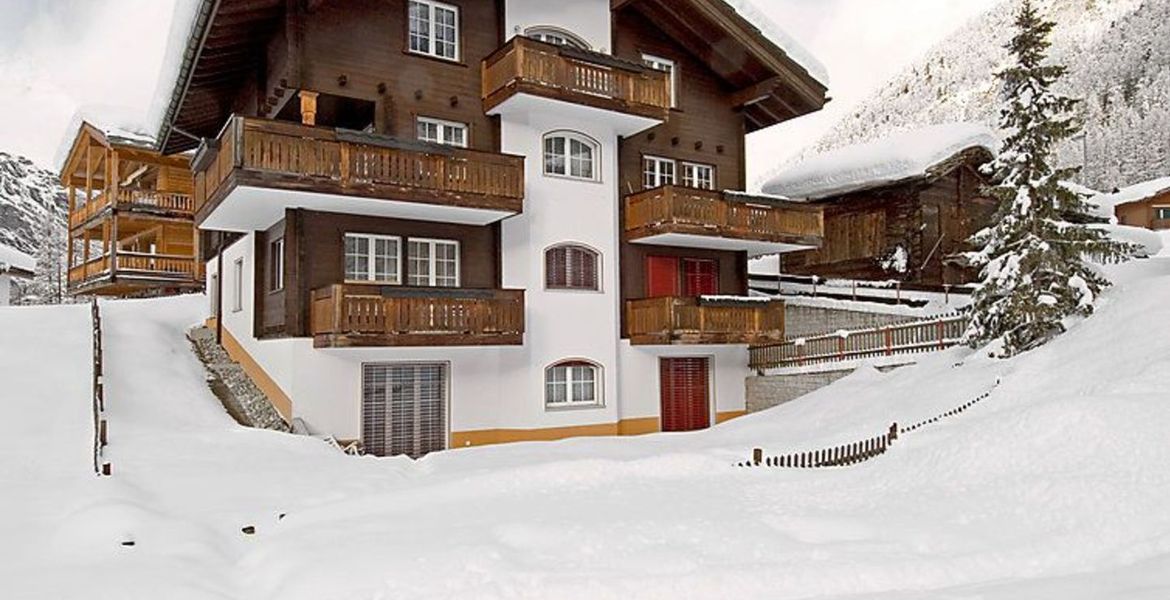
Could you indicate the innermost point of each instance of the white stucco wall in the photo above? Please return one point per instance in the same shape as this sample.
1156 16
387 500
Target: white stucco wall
641 388
588 19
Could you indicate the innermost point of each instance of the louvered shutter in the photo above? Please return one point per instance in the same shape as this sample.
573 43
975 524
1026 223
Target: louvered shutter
685 393
404 409
661 276
571 267
701 277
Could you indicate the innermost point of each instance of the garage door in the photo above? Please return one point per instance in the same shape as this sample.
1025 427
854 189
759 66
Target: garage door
404 408
685 389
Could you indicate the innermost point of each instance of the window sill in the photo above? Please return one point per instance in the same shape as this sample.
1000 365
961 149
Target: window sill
572 407
571 178
446 61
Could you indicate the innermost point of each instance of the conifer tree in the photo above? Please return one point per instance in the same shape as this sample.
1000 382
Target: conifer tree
49 285
1035 257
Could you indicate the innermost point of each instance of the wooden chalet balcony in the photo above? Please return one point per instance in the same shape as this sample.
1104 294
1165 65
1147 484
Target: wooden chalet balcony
361 315
160 203
528 66
707 218
134 268
313 162
704 320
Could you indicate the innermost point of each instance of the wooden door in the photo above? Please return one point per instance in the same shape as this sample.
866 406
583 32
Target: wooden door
662 276
700 277
685 391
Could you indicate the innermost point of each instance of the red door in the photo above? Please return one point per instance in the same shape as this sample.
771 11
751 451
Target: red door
661 276
685 384
700 277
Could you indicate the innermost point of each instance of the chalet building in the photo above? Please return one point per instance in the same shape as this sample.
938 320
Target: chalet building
1145 204
131 217
432 224
14 264
899 208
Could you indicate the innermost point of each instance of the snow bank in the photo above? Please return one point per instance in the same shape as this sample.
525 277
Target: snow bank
794 49
1149 243
1106 203
899 157
11 257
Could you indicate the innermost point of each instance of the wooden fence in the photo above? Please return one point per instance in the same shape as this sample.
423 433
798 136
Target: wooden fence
100 428
914 337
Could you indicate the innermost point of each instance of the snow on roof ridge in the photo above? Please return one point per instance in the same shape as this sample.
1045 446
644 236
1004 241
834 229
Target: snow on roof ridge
783 40
1145 190
904 155
116 122
12 258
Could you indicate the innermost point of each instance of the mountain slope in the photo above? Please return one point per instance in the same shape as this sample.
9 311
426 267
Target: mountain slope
27 195
1118 54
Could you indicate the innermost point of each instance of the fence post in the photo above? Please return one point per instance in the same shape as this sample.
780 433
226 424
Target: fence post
893 435
941 335
889 340
757 456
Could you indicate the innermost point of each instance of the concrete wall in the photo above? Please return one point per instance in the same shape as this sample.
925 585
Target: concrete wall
804 321
774 390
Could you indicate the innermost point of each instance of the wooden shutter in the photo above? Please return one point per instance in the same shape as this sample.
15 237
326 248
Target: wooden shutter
661 276
571 267
685 393
700 277
556 267
404 409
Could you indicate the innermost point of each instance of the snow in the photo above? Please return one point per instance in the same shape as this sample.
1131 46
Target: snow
185 15
118 123
1106 203
11 257
906 155
1054 487
783 40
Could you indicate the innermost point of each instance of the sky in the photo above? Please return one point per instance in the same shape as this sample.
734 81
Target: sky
57 56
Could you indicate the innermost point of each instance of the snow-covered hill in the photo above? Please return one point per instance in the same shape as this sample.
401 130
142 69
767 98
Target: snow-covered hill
1054 487
28 194
1118 55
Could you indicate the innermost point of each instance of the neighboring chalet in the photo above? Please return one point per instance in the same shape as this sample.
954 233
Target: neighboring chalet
14 264
899 208
1144 204
431 224
131 217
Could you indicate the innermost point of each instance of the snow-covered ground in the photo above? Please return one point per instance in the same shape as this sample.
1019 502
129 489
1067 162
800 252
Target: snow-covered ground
1055 487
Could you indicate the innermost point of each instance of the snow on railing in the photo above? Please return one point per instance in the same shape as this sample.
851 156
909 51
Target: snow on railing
100 430
857 452
927 335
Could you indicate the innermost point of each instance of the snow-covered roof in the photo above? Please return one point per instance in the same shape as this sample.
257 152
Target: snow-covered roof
119 125
903 156
797 52
1106 203
11 258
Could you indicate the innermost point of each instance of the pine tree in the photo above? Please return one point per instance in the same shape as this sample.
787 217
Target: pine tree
49 285
1035 258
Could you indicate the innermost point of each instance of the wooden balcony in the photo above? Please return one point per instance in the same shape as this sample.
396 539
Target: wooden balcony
314 162
162 204
675 215
363 316
705 320
125 273
528 66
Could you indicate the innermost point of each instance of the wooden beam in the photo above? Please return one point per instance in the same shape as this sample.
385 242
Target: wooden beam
308 108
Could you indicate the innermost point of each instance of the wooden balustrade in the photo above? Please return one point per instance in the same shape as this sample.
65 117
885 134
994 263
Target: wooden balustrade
674 320
289 156
906 338
86 211
139 265
181 204
359 315
682 210
529 66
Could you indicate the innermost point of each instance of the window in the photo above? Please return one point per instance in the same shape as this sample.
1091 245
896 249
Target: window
371 258
572 383
666 65
448 133
657 172
570 155
1161 213
433 263
571 267
698 176
434 29
559 37
238 285
276 265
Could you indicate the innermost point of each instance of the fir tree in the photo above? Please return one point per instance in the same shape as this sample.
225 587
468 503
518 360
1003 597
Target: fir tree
49 285
1034 259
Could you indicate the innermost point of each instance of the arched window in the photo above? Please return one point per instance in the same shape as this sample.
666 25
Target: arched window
556 35
569 154
571 267
572 383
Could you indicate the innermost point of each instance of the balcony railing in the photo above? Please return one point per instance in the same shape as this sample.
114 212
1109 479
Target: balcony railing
137 265
172 204
682 210
704 320
525 65
289 156
359 315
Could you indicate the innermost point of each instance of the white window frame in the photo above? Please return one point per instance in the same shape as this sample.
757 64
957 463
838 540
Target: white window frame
371 255
695 167
569 138
659 179
213 293
547 33
1158 208
433 243
569 382
659 63
441 129
276 277
238 285
430 34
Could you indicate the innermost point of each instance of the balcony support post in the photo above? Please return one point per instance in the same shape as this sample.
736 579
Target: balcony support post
308 108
